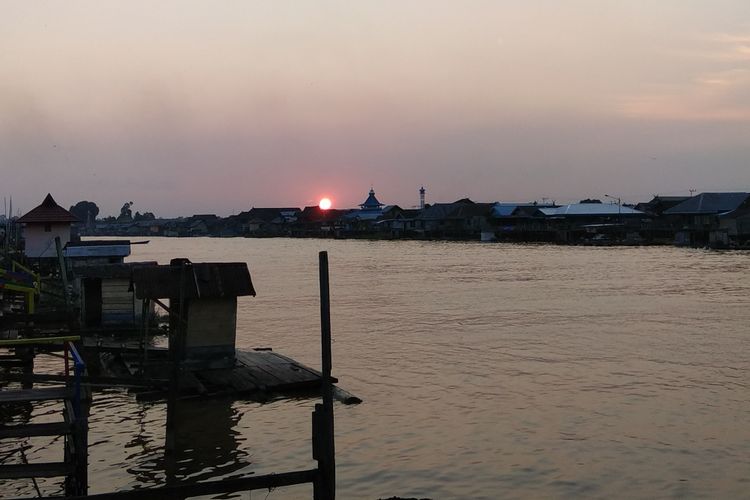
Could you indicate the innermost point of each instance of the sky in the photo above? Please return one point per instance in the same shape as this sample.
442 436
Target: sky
215 107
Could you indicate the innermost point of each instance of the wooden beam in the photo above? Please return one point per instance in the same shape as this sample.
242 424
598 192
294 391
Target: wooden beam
28 430
26 395
21 471
208 487
40 340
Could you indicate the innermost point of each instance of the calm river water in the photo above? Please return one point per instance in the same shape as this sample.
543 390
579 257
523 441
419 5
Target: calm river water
487 371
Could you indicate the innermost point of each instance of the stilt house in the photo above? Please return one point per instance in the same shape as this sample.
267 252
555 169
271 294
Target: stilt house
42 225
207 323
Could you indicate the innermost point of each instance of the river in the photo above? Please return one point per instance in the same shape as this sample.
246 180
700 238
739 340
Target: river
487 371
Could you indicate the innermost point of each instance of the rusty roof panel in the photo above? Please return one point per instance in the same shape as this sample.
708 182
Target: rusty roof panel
205 279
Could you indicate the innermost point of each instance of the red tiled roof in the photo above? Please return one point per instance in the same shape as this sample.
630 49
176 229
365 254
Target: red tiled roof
48 211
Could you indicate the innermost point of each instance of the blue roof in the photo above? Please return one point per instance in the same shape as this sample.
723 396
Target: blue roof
709 203
592 209
363 215
501 209
371 203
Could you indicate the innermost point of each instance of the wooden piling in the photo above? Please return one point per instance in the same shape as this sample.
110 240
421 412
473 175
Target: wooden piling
63 275
176 354
323 424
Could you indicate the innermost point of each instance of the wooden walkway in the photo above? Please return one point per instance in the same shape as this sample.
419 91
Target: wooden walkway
256 374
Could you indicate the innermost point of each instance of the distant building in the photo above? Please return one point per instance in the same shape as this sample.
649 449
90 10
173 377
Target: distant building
659 204
369 211
698 220
371 203
42 225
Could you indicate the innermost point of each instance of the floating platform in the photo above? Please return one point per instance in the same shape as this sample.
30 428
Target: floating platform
260 374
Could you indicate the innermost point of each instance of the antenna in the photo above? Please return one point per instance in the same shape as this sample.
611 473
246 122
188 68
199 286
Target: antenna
692 191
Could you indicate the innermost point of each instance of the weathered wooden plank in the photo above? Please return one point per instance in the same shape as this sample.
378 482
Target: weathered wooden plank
289 373
268 481
240 382
260 378
35 395
49 469
28 430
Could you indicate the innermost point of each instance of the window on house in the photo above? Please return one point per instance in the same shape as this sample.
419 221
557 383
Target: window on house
48 228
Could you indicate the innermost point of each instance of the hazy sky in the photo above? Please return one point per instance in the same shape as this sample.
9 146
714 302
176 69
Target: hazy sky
194 107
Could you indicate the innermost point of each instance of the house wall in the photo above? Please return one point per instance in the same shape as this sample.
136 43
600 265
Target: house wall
212 325
118 304
40 243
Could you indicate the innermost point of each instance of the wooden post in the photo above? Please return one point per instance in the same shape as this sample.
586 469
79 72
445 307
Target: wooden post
64 275
176 352
144 338
324 450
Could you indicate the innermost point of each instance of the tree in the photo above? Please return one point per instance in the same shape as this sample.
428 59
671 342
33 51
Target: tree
143 216
86 211
126 215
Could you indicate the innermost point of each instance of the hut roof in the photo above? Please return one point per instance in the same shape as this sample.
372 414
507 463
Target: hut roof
110 270
207 279
48 211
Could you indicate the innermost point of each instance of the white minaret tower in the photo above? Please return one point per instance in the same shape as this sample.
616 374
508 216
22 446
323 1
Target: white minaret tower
421 198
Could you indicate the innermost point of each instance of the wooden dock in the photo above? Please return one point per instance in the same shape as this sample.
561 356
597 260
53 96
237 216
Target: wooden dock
257 374
201 367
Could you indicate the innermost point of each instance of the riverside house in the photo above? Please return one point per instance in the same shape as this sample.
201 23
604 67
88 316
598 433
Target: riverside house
697 221
42 225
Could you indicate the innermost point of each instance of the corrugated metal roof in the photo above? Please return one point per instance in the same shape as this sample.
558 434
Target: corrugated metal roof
208 279
98 248
437 211
504 209
473 210
740 213
110 270
363 215
48 211
590 209
709 203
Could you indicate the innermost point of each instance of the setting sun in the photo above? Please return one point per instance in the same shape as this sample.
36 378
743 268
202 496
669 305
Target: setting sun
325 204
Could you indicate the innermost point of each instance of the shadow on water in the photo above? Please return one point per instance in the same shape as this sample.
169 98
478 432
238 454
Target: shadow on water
206 446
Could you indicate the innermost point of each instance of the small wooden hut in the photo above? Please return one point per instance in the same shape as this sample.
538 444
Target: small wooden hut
203 305
107 297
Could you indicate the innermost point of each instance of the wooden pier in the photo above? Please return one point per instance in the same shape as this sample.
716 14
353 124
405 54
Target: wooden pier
201 361
73 427
258 374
